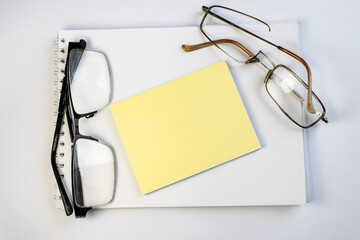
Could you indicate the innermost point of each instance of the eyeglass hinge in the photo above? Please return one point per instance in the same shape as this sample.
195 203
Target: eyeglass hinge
325 119
205 8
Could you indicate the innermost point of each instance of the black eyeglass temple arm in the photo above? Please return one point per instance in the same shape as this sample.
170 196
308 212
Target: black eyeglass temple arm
64 196
60 118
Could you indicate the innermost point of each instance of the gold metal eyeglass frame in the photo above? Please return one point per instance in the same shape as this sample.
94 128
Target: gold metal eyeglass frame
254 58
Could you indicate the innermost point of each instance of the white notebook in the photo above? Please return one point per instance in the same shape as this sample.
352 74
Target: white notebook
141 59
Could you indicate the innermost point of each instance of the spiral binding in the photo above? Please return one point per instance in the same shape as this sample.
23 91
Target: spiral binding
59 71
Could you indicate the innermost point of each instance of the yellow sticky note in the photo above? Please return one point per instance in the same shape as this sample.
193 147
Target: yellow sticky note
184 127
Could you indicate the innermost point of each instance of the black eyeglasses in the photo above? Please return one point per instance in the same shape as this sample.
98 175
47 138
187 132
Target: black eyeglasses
86 89
291 94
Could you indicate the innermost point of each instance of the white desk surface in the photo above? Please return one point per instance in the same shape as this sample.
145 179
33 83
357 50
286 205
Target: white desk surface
329 38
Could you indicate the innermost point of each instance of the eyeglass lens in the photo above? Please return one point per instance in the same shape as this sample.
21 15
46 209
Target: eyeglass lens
289 92
210 29
93 173
90 80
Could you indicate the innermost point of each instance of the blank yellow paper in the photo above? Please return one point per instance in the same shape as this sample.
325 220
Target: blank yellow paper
184 127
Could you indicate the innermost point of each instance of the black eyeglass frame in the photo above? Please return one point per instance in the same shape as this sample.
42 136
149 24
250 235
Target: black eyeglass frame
66 108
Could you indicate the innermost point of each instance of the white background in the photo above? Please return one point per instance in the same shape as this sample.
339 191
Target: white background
329 39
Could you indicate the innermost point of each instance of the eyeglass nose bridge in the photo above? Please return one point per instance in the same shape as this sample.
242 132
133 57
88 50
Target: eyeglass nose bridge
256 59
267 58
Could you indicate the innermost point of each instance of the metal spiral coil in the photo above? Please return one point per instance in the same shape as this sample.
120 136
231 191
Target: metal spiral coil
59 72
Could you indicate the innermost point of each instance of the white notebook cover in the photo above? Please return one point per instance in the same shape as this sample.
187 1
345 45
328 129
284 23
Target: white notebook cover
141 59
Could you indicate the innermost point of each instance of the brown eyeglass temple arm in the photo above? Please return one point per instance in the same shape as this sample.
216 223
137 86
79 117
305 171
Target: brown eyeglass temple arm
189 48
309 106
